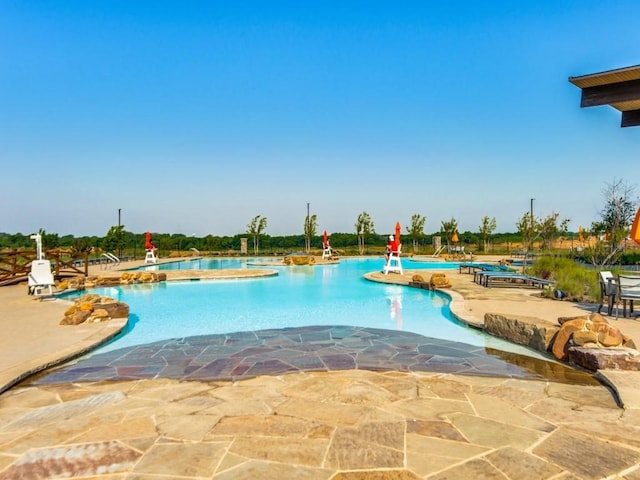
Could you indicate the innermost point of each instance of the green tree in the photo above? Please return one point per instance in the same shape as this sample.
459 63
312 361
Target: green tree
416 230
550 230
114 241
255 228
49 240
486 229
310 226
364 228
613 227
528 227
81 246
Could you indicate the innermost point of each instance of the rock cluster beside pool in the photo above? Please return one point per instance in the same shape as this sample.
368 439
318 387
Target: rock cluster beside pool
587 341
92 308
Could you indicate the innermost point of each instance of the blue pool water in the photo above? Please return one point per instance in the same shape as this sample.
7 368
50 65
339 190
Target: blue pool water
298 296
217 263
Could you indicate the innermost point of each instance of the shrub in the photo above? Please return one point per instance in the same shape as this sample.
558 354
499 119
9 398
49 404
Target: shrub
577 282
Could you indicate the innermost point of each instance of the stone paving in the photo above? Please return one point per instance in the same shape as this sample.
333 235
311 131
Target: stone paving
350 424
243 355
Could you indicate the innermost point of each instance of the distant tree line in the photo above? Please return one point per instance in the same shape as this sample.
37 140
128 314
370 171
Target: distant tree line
118 238
610 233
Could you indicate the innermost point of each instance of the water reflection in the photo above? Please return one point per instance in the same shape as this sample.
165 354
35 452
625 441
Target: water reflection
548 369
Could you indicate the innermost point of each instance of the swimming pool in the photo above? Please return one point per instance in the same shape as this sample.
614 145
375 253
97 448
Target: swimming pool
333 294
218 263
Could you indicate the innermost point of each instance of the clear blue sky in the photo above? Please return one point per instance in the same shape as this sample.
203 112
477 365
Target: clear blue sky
195 116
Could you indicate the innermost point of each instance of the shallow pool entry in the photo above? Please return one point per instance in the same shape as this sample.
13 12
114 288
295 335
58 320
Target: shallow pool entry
243 355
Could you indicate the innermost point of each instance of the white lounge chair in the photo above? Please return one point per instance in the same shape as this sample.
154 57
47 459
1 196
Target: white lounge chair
41 278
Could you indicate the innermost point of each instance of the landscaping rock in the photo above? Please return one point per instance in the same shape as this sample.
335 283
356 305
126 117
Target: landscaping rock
528 331
302 259
98 315
417 281
592 330
439 280
93 308
621 358
76 318
114 309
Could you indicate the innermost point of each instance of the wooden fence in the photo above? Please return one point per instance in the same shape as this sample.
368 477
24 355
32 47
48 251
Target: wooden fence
15 264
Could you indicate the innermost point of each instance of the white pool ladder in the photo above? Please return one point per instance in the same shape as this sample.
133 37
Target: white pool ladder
111 259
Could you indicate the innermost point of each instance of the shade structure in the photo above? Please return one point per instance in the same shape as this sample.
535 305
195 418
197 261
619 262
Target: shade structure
580 234
454 237
398 231
635 228
325 239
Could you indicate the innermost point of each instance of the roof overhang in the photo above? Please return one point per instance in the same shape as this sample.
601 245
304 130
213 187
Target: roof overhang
618 88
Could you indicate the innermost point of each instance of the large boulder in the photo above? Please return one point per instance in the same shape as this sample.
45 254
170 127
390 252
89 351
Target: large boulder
418 281
528 331
93 308
439 280
76 317
299 259
621 358
114 309
591 331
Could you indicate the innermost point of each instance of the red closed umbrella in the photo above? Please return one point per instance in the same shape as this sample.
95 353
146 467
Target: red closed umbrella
325 239
398 231
148 244
635 228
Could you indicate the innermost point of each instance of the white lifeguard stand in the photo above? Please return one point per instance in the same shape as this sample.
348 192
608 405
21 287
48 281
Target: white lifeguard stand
393 263
326 251
150 257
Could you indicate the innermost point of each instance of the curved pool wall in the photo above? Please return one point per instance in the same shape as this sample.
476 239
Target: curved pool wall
332 294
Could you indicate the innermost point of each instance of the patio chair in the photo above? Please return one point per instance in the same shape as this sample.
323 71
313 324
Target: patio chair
40 278
608 290
628 291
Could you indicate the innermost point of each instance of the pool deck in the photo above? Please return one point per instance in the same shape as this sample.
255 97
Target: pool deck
319 403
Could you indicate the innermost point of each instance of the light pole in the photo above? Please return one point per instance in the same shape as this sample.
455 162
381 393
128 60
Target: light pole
119 235
307 232
531 213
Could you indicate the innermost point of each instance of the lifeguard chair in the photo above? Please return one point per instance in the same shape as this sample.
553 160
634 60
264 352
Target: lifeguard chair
326 248
326 251
393 263
150 257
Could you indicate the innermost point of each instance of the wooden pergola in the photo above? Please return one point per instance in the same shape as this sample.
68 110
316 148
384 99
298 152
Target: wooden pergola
618 88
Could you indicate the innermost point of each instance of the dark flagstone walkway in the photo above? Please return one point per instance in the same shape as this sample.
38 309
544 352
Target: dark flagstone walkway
243 355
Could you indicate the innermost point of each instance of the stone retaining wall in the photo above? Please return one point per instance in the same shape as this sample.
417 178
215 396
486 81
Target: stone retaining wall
542 336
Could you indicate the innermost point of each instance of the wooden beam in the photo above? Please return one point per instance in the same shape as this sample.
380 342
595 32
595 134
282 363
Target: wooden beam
631 118
611 93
